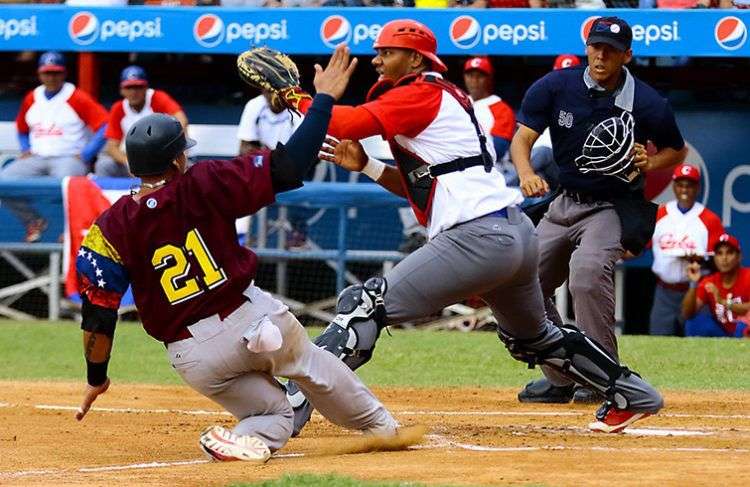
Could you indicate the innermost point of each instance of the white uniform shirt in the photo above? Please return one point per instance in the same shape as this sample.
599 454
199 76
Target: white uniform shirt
460 196
55 129
260 123
677 234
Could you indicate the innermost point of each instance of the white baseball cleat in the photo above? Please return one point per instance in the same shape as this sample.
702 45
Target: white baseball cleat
220 444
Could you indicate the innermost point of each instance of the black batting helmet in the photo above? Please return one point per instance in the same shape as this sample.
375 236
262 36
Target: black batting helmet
607 149
153 142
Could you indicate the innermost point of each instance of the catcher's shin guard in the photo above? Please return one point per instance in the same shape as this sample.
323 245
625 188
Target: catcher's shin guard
581 359
351 336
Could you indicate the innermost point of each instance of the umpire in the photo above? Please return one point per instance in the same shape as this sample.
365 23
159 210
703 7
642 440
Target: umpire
601 215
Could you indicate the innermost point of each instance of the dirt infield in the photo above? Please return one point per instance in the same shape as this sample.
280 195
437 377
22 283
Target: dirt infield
147 435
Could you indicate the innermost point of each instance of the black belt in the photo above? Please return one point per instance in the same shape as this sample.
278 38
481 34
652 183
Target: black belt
587 198
436 170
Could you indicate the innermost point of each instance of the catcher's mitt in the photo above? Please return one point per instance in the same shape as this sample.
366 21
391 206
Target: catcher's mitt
272 71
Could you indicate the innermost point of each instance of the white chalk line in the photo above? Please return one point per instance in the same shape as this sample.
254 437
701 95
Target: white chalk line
201 412
104 468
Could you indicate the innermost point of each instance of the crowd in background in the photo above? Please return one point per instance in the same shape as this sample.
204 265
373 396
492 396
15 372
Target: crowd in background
583 4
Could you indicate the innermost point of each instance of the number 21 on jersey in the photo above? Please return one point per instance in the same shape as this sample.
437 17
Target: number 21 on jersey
174 262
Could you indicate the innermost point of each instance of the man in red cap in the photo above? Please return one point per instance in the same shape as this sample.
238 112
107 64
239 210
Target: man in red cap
60 131
480 242
566 61
726 293
494 115
138 100
685 230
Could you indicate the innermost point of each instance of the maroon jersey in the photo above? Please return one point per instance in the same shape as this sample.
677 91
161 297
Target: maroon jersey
178 246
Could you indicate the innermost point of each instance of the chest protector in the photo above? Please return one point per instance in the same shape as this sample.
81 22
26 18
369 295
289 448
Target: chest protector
418 176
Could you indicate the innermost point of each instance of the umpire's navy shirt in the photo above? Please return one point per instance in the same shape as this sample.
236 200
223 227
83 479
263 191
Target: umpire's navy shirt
571 103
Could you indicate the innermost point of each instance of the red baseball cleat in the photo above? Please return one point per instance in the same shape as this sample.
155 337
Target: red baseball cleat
613 420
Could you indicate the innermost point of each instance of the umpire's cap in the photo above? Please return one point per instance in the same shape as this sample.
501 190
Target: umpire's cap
153 142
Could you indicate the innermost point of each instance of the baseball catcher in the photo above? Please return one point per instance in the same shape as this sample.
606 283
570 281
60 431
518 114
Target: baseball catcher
480 243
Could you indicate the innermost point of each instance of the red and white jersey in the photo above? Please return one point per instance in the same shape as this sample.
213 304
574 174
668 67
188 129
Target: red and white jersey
429 122
495 116
677 234
122 116
61 125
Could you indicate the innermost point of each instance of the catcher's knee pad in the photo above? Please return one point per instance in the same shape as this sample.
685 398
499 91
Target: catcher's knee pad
576 356
360 315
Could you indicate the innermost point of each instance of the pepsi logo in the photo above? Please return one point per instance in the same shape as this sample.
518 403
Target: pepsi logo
465 32
586 27
83 28
730 33
335 30
208 30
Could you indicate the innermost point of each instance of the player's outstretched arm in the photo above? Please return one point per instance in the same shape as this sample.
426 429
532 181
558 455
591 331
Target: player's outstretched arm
98 324
350 155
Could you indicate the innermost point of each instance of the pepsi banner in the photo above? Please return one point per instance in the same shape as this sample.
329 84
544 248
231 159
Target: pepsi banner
517 32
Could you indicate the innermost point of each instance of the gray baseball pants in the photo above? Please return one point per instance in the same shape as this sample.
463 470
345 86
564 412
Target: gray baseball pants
35 166
666 312
493 257
217 363
580 242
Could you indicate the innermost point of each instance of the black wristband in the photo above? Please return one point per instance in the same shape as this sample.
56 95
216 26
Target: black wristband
96 372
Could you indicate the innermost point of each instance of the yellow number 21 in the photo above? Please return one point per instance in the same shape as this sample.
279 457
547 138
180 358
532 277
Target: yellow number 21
174 261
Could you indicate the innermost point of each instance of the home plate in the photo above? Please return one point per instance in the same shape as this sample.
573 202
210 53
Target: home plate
664 432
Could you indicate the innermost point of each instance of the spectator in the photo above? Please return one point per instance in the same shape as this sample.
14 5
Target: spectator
726 293
495 116
55 126
262 126
684 229
138 101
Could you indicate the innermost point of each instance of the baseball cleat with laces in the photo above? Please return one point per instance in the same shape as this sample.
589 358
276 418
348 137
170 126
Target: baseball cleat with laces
221 445
613 420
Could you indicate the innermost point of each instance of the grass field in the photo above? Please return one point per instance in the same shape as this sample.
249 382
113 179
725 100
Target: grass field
465 371
406 359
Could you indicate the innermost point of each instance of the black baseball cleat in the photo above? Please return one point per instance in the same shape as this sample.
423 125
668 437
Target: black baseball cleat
543 391
584 395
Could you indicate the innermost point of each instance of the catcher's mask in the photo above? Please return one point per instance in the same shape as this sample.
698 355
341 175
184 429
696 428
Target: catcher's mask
153 142
607 149
410 34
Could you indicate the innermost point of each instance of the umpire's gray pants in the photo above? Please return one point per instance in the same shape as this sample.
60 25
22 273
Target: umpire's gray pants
493 257
217 363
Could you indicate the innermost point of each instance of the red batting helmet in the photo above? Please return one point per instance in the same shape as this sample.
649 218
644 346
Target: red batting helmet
410 34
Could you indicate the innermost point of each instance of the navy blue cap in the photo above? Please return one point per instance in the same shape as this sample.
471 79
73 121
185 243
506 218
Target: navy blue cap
51 61
611 30
133 76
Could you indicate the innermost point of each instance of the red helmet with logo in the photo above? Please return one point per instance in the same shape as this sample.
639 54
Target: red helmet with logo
410 34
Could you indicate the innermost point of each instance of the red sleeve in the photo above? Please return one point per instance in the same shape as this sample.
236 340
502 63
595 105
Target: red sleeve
349 122
505 120
92 113
161 102
114 125
406 110
713 225
21 125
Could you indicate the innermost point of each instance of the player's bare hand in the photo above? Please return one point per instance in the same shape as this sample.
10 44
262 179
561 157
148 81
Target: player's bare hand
92 392
333 79
694 271
711 288
640 157
533 185
346 153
